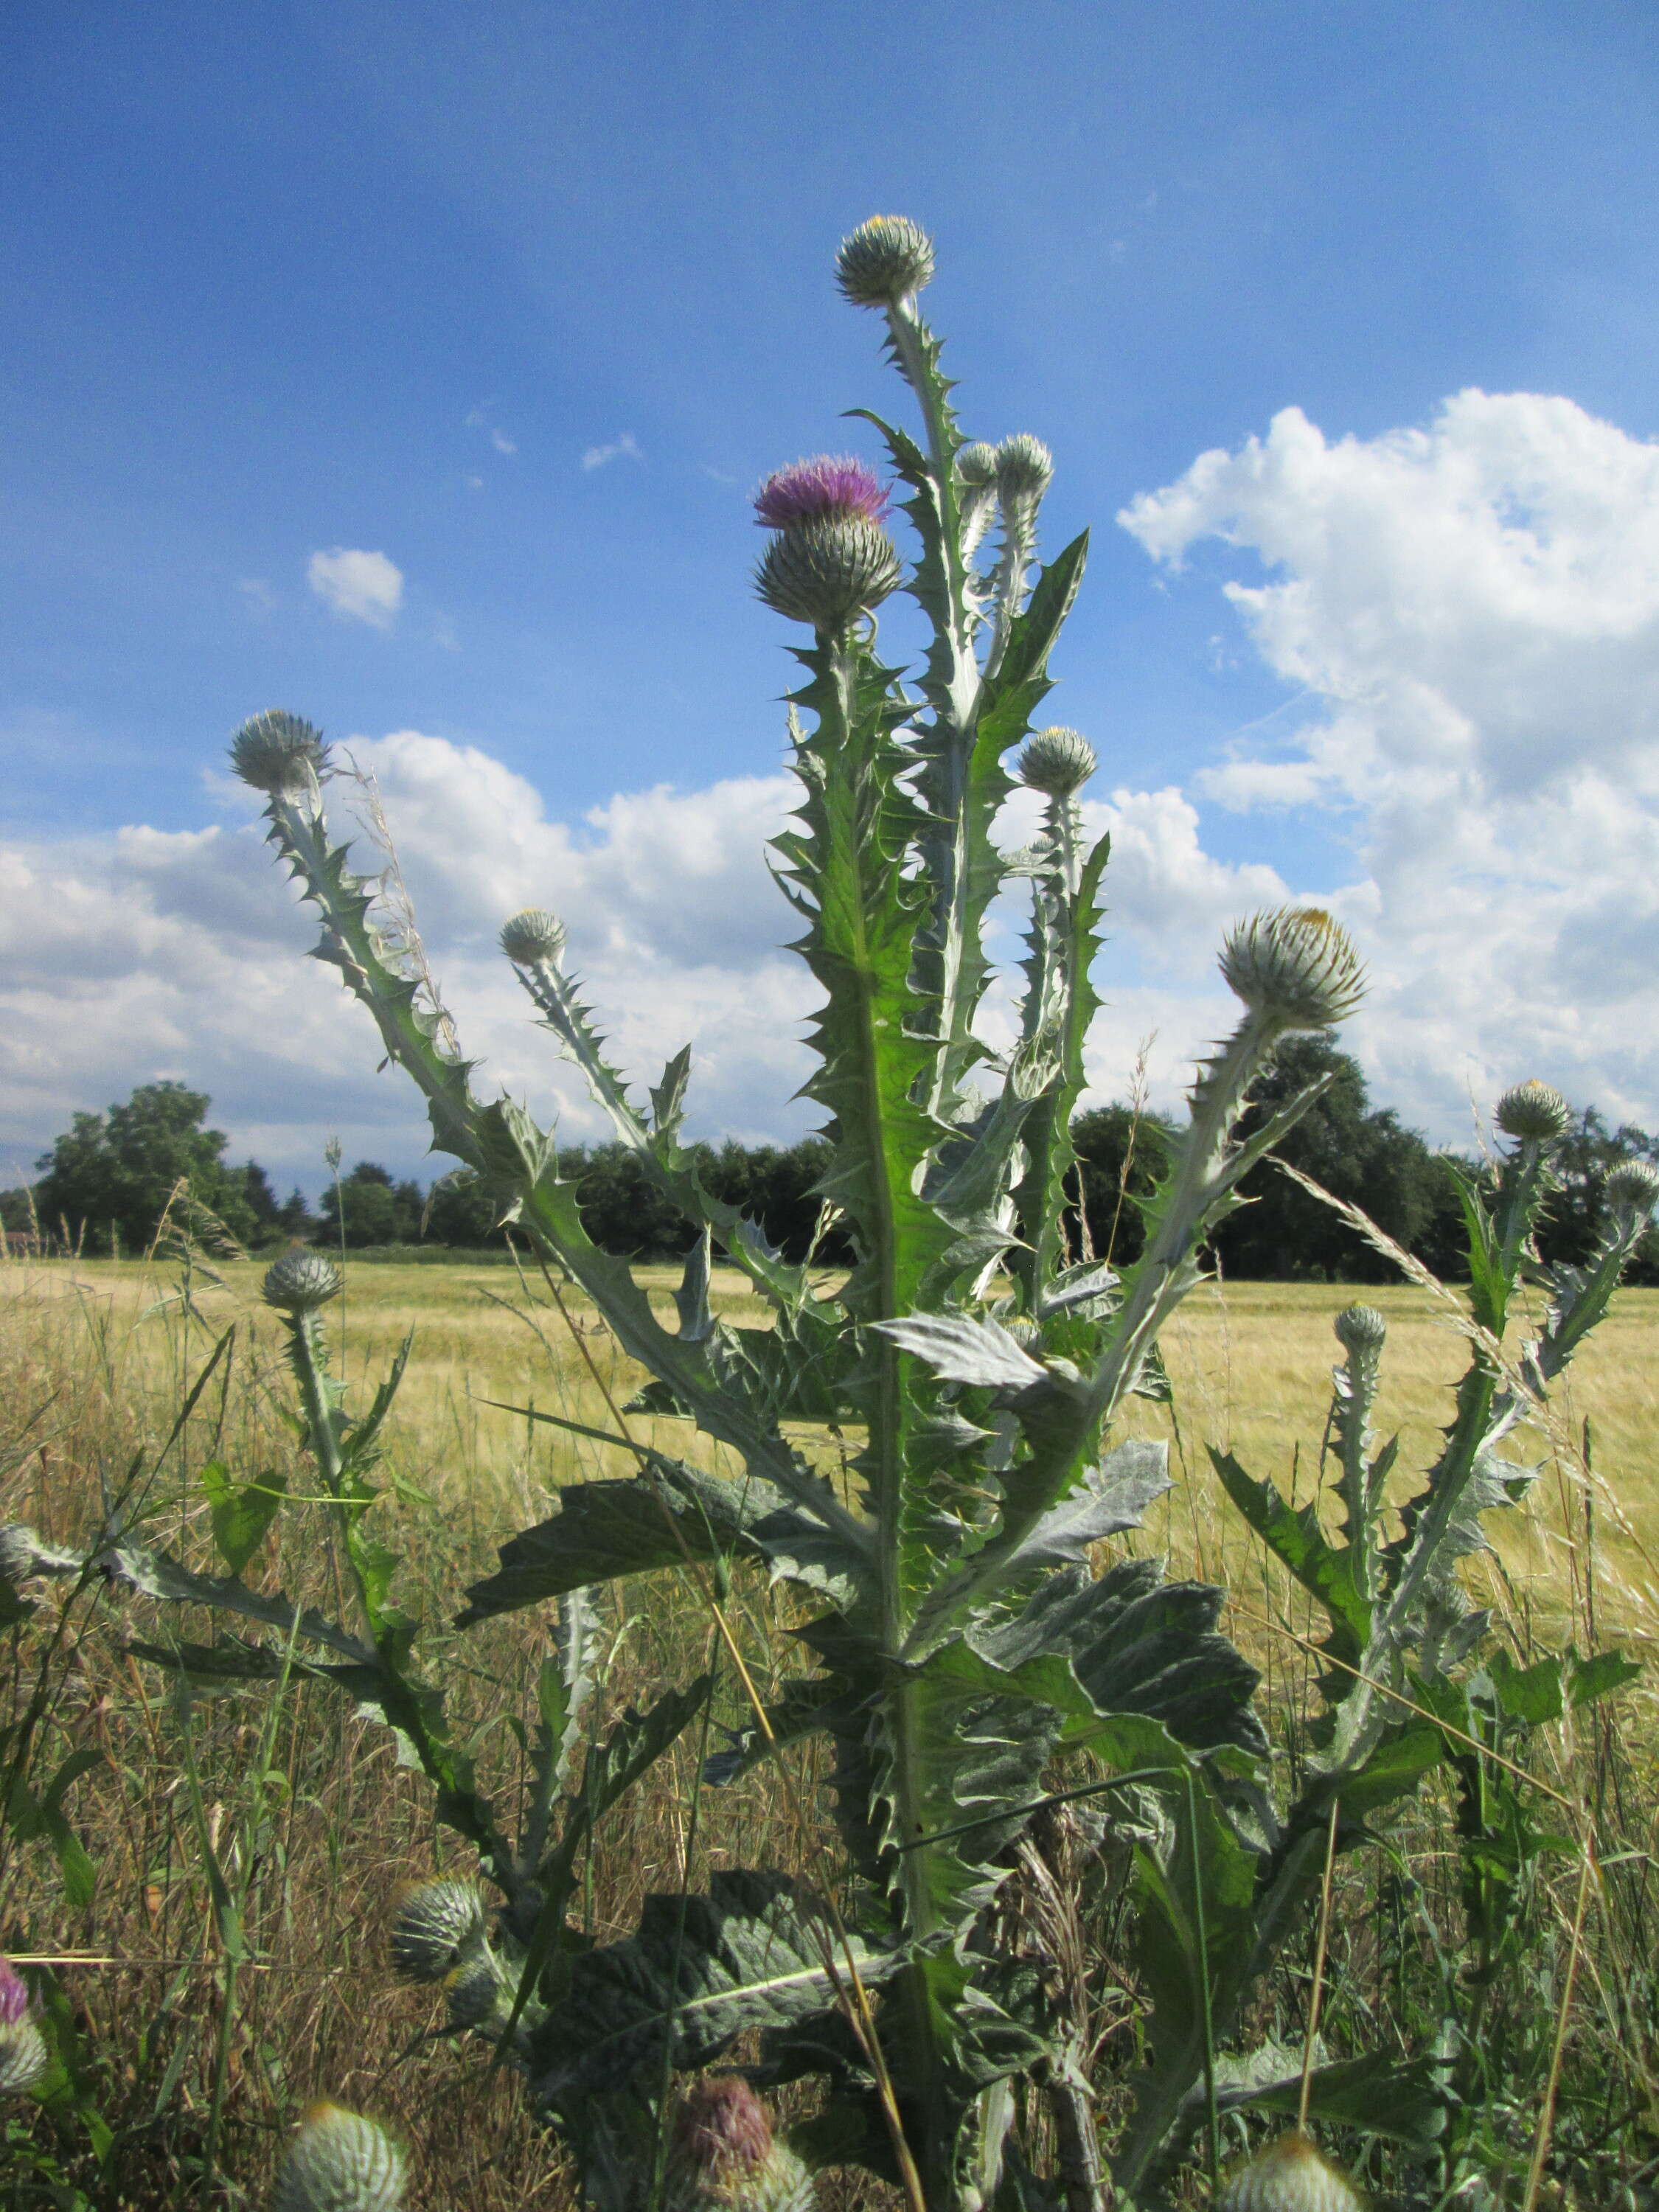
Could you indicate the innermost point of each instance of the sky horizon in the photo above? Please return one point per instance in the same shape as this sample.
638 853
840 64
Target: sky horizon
413 369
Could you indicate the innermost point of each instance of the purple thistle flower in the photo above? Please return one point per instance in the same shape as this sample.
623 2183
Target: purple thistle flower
14 1994
808 491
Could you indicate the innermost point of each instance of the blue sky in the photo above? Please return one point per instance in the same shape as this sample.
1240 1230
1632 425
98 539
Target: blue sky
283 279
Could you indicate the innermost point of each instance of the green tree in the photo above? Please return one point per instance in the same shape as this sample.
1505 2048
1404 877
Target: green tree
1121 1155
119 1169
375 1209
1582 1161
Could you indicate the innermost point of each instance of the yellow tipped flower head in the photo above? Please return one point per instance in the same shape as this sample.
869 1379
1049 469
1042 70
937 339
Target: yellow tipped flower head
1535 1111
1290 2175
278 753
1057 761
533 935
340 2162
300 1282
1295 966
885 261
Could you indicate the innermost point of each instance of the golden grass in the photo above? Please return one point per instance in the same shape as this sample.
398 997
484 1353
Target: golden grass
94 1357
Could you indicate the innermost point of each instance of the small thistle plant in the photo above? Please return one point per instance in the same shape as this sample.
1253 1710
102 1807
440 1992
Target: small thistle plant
968 1638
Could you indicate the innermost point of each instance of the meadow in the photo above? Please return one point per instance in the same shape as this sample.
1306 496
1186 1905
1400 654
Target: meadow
216 1926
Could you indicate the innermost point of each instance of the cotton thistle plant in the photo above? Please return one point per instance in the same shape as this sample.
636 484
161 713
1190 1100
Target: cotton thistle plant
339 2161
960 1642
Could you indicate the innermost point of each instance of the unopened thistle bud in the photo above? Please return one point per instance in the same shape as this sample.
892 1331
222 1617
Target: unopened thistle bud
1631 1189
438 1924
24 2057
723 2157
1360 1329
300 1282
883 261
1057 761
1295 966
1025 467
826 572
1535 1111
475 1989
1289 2175
278 753
976 465
340 2162
533 935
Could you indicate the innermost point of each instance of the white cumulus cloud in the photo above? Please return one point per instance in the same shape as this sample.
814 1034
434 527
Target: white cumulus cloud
1474 607
359 586
624 446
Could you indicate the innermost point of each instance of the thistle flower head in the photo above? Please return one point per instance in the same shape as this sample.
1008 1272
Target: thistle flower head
533 935
1025 467
278 752
1289 2175
474 1988
437 1924
883 261
1631 1189
301 1281
1360 1329
340 2162
723 2157
807 491
1534 1111
976 465
1058 761
1294 965
826 572
24 2057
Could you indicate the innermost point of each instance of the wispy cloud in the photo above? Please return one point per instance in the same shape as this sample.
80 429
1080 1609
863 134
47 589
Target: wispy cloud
359 587
478 418
501 442
596 457
257 594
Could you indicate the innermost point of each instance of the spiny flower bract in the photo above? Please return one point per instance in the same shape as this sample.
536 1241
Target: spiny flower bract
277 752
340 2162
437 1924
1057 761
1361 1328
1294 965
300 1282
1025 467
1534 1111
829 483
532 935
826 572
976 465
1632 1187
883 261
24 2057
1289 2175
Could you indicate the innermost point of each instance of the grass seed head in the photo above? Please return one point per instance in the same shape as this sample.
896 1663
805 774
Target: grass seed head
1534 1111
300 1282
278 753
1295 965
883 261
827 571
1289 2175
1057 761
340 2162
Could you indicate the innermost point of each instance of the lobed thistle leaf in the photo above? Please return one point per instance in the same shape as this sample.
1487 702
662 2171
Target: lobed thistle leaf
1025 467
1360 1329
532 935
278 753
300 1282
808 491
883 261
1290 2174
1534 1112
1294 965
340 2162
1632 1187
439 1924
1057 761
825 572
723 2156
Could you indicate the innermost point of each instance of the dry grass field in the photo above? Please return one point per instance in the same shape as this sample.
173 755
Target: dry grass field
193 2053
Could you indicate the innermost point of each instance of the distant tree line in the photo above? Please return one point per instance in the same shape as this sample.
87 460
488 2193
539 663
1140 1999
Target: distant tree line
110 1177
